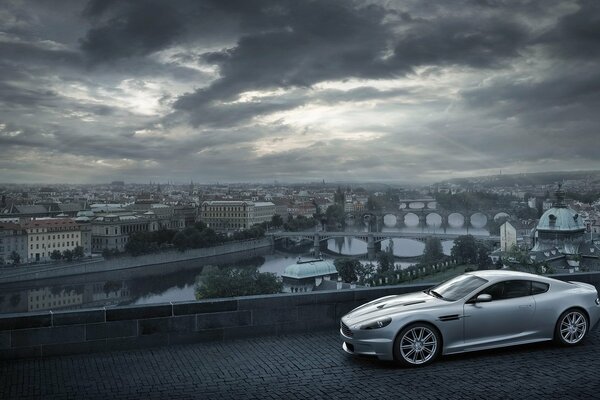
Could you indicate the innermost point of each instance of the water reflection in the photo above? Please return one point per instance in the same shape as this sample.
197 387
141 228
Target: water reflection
402 247
159 284
122 287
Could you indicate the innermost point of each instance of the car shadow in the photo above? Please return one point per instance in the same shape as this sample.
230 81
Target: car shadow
373 362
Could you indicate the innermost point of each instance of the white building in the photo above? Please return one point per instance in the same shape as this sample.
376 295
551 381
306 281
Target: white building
264 211
46 235
508 237
235 215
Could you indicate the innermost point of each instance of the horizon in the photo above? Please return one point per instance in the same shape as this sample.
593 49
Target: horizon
294 183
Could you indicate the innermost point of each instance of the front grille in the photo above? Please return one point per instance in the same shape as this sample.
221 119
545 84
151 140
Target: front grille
345 330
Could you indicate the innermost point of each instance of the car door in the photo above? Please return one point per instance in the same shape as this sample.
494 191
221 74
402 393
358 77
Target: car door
506 318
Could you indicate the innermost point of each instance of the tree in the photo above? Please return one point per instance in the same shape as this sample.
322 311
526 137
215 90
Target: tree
350 270
67 255
15 258
465 249
483 256
499 263
78 253
139 243
163 235
107 253
433 250
385 259
299 223
230 282
335 214
276 221
55 255
373 204
338 196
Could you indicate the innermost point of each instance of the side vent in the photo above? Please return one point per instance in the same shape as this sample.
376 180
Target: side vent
413 303
446 318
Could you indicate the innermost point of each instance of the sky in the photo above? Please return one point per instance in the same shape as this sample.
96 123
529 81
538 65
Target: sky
296 90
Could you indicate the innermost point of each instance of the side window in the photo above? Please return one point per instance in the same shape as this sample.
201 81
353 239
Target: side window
539 287
517 289
508 290
496 291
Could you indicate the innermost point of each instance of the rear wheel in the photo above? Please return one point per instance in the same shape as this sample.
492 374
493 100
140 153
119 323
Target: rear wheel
571 327
417 345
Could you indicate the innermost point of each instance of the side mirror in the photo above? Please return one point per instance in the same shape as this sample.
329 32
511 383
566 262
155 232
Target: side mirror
483 298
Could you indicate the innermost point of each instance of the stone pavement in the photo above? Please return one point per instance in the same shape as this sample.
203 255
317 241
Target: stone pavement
304 366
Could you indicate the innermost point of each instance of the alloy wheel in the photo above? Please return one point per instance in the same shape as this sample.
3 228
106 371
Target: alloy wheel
418 345
573 327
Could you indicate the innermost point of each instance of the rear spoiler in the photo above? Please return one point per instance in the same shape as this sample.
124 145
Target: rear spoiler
582 284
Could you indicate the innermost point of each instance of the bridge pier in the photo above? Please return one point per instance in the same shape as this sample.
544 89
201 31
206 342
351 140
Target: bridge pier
444 224
422 220
371 247
316 245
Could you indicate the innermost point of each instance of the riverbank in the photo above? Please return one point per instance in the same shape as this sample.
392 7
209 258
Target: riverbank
173 258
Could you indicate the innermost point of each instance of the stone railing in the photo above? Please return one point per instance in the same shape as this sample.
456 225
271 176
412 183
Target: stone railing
92 330
68 332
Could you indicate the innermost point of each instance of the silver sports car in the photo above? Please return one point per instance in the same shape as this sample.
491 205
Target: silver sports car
474 311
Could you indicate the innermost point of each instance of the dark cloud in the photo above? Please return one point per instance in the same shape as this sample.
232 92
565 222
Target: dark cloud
476 42
353 89
577 34
340 40
137 29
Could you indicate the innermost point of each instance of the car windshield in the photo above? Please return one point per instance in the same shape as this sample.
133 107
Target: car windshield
458 287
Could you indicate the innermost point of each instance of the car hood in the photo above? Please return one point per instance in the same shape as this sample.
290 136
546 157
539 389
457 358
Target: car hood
390 305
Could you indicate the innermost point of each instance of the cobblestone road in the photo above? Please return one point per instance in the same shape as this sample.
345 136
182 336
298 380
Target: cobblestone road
305 366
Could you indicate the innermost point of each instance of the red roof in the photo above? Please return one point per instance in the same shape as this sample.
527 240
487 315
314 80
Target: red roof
49 223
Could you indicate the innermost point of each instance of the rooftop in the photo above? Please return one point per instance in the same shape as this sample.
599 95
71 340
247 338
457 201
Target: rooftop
309 269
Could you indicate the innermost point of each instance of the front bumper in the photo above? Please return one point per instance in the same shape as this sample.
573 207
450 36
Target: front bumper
382 348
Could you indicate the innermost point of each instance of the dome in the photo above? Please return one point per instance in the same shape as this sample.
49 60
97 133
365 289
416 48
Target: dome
560 219
309 269
560 229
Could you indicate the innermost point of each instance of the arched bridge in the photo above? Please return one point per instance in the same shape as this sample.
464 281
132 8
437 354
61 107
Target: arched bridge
430 216
372 237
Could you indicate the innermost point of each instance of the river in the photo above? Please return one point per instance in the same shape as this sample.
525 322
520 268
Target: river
143 287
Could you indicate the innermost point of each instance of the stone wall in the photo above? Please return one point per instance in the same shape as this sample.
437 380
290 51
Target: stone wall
192 256
68 332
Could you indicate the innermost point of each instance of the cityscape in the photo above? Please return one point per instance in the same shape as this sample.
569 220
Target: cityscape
54 229
214 187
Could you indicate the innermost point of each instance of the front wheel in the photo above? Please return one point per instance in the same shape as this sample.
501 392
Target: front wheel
571 327
417 345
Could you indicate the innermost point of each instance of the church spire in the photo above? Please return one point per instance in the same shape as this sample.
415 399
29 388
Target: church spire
560 198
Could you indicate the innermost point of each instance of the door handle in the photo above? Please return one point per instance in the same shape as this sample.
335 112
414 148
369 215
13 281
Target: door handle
525 306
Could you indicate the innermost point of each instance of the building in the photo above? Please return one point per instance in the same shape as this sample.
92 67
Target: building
111 231
44 236
559 239
305 276
12 239
226 215
45 298
264 211
508 237
188 213
560 228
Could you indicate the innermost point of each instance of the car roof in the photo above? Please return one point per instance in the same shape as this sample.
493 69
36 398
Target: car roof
498 274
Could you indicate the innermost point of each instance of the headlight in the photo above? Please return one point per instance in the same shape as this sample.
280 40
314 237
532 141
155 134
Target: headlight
380 323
